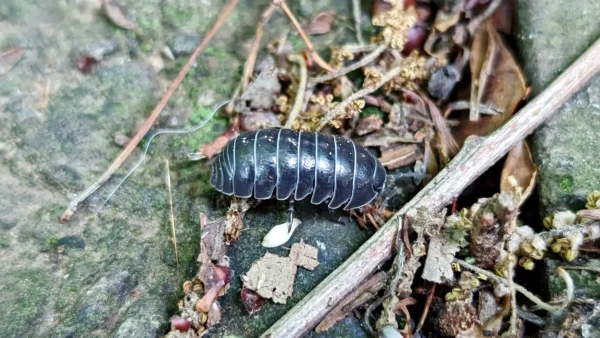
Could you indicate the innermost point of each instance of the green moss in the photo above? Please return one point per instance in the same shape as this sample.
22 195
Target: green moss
173 15
4 242
566 184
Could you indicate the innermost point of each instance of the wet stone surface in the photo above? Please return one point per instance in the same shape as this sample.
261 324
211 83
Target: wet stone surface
551 35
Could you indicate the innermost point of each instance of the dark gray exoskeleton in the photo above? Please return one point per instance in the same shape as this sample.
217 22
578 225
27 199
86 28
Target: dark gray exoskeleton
290 165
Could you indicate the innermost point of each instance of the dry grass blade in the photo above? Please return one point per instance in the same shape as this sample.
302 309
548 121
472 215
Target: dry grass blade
400 156
299 101
9 59
249 66
68 213
168 181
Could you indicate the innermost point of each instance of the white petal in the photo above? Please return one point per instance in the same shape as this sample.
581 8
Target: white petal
279 234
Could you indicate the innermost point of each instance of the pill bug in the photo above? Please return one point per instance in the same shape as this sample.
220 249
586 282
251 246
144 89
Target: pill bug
291 165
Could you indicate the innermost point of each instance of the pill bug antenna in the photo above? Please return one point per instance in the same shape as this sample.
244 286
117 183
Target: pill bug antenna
147 145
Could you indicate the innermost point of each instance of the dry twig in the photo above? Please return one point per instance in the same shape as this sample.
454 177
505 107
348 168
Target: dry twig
343 71
300 92
477 155
339 108
168 180
249 67
322 63
66 216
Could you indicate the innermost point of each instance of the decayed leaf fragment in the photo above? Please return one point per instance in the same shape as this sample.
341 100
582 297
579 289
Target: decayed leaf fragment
497 82
321 24
9 58
273 276
440 255
519 173
115 13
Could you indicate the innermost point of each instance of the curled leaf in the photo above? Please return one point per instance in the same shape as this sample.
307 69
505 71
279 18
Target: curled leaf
497 84
9 58
519 173
279 234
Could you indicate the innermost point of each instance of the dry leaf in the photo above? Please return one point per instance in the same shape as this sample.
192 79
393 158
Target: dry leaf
438 264
369 124
593 214
400 156
211 149
213 242
431 165
448 142
272 277
9 58
304 255
520 170
255 120
321 24
279 234
497 83
214 314
115 13
262 93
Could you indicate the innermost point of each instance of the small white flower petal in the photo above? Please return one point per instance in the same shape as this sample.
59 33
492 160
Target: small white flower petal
279 234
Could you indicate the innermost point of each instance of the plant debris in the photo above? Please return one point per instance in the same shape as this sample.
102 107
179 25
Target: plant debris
272 276
115 13
321 24
279 234
9 58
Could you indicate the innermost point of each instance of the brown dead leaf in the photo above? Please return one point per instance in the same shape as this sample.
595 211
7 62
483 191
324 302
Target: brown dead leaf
448 143
256 120
9 58
593 214
261 93
497 83
214 315
369 124
321 24
213 240
519 173
211 149
400 156
115 13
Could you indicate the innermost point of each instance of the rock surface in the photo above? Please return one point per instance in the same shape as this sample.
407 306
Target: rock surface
551 35
114 274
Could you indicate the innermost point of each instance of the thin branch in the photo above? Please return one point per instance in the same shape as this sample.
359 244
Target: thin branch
512 330
343 71
338 109
299 100
322 63
357 28
249 67
66 216
168 180
426 310
477 155
540 303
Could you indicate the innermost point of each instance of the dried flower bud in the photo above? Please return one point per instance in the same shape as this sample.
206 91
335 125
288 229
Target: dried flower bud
548 222
563 219
527 263
593 200
570 254
187 287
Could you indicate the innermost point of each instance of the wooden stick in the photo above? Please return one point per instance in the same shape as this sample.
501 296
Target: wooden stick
477 155
322 63
66 216
249 67
300 92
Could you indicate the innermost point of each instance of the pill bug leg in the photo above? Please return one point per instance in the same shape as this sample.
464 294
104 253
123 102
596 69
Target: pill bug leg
291 215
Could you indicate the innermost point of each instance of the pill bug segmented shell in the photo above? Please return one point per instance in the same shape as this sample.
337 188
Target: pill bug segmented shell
284 162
